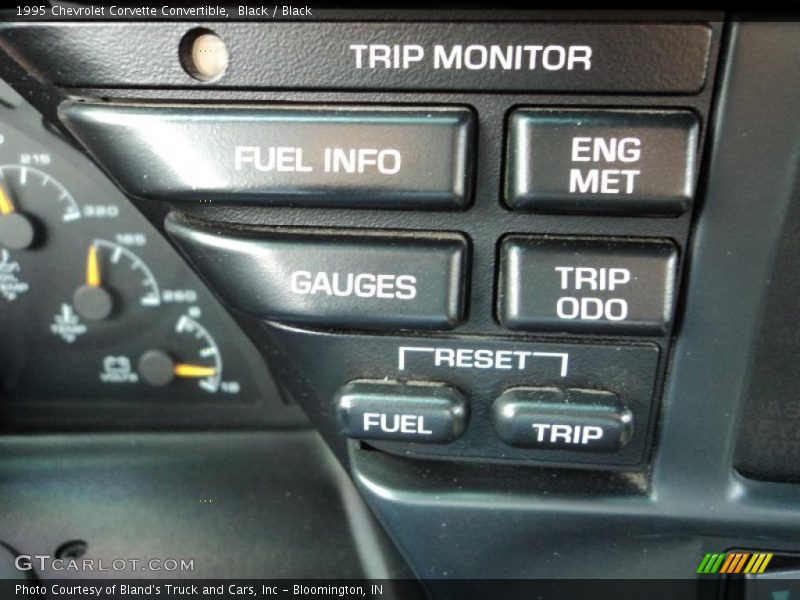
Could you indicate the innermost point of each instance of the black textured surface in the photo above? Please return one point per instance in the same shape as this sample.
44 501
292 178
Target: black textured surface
313 366
645 58
240 505
511 524
490 520
770 444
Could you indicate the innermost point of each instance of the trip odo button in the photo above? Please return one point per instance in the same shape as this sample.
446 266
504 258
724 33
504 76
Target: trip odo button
350 279
587 285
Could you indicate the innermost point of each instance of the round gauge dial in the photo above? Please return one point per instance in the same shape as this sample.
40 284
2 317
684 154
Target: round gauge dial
114 272
38 187
193 356
94 303
203 351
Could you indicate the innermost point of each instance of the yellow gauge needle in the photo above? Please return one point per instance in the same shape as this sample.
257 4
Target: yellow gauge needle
6 206
187 370
92 268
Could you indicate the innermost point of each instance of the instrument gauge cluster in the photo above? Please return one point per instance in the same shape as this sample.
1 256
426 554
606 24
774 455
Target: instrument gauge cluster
98 313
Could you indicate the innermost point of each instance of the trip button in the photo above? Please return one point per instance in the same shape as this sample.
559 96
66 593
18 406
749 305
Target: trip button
556 419
587 285
601 161
410 412
350 278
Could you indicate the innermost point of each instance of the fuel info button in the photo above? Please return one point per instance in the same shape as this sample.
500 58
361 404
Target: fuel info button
587 285
284 155
601 161
556 419
408 412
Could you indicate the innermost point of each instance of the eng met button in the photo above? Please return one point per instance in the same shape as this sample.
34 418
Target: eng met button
282 155
587 285
601 161
347 278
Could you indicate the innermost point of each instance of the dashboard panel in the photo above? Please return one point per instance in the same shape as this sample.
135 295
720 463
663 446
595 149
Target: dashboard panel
102 320
534 296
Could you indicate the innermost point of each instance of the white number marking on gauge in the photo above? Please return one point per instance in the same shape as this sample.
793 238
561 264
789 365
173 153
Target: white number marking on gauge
118 254
209 372
19 176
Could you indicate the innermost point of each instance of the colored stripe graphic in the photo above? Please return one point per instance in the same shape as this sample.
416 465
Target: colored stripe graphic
735 562
711 563
704 563
763 566
758 563
737 568
754 563
730 559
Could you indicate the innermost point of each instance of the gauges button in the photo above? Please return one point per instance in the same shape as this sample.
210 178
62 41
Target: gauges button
350 278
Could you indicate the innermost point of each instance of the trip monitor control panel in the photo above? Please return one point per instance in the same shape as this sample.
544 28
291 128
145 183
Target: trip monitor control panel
459 250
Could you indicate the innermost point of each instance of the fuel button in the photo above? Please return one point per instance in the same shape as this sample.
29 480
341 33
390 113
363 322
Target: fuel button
407 412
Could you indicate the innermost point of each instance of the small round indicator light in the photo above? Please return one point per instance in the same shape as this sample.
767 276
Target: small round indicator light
204 55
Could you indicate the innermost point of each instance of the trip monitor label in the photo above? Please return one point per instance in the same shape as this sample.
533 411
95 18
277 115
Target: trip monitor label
540 56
